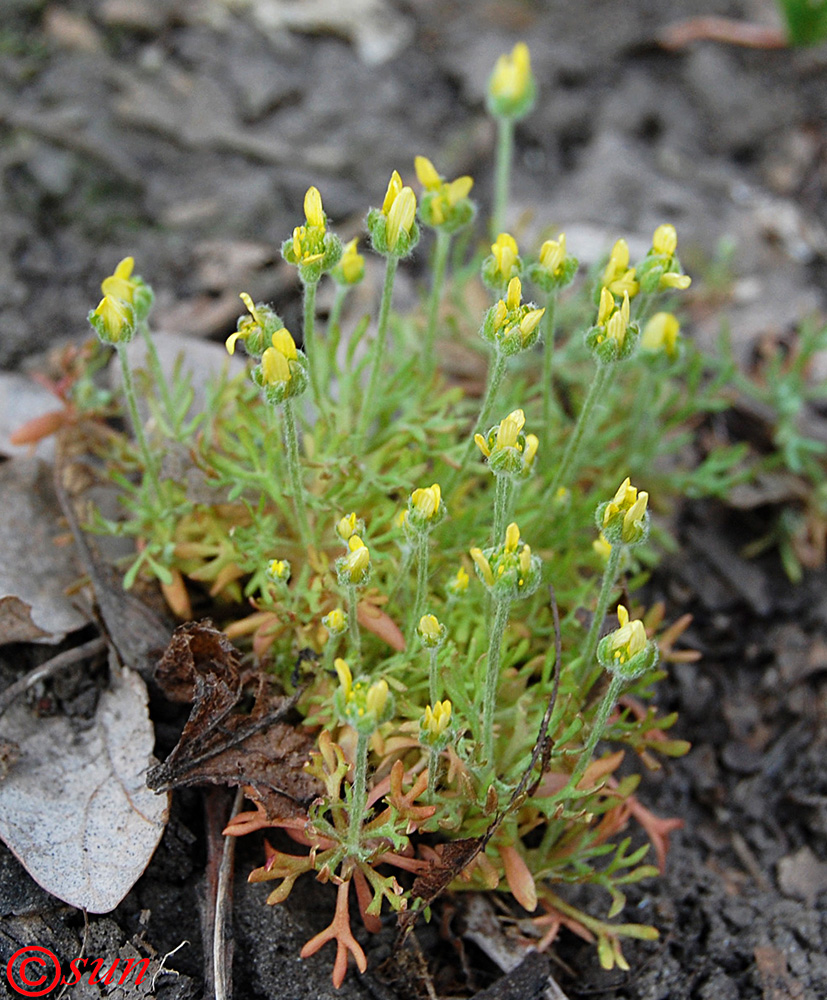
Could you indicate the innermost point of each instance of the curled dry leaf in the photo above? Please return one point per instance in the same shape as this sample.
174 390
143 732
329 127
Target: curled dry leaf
74 807
222 746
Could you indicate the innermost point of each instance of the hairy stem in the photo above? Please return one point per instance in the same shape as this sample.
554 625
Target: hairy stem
137 424
359 793
353 622
421 579
548 355
502 175
309 337
492 676
567 464
369 402
502 505
495 377
159 378
291 442
433 676
608 582
443 243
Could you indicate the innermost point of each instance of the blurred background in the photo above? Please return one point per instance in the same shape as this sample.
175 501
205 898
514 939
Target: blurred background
185 132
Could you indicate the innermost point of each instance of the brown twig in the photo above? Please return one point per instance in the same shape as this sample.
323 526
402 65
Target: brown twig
49 669
721 29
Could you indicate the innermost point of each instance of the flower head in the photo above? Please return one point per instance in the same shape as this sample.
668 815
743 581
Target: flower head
255 328
431 631
354 568
509 570
554 268
443 205
393 229
363 705
335 622
425 508
113 320
123 284
349 525
502 264
618 277
282 372
279 571
312 248
614 337
351 267
624 519
458 584
660 269
511 325
433 726
511 88
627 651
508 450
661 334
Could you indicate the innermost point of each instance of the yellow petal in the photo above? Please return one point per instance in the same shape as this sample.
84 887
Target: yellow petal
426 173
284 344
313 210
401 216
514 294
394 187
512 537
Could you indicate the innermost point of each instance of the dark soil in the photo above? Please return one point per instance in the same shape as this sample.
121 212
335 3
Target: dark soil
184 132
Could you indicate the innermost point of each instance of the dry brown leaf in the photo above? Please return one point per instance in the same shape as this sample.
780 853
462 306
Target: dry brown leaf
74 808
220 746
34 571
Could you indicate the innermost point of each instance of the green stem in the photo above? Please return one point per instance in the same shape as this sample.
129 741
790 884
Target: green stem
505 145
502 504
608 582
369 402
137 424
598 727
495 377
159 378
492 676
353 622
309 336
334 326
421 580
596 389
443 243
433 763
359 794
292 447
433 677
548 355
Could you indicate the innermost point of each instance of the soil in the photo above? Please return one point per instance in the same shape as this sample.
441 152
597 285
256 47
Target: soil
185 132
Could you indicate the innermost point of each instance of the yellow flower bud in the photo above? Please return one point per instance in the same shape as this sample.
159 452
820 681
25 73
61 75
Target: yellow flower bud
505 252
345 676
118 284
459 584
352 264
553 253
602 546
532 443
483 566
401 216
335 622
512 537
525 559
665 240
482 444
661 333
630 639
511 82
313 211
116 318
618 323
437 719
633 518
606 307
377 698
510 428
357 562
514 295
672 280
426 174
529 322
394 187
426 501
346 526
279 569
284 344
274 367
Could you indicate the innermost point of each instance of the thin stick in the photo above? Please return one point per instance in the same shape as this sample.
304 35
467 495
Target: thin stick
222 941
49 669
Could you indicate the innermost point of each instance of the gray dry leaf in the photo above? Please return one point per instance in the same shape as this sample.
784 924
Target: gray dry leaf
34 571
75 809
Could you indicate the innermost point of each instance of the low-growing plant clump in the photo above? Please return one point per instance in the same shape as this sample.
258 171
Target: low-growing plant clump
441 577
